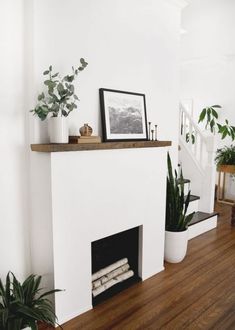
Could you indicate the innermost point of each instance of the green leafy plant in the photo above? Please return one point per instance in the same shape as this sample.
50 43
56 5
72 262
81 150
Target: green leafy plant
22 305
176 203
60 98
225 156
190 137
226 130
210 116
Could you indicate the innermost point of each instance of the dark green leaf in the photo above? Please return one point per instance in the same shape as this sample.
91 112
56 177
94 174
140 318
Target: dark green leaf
55 75
202 115
216 106
214 113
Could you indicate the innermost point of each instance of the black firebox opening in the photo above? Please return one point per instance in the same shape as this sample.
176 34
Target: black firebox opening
110 249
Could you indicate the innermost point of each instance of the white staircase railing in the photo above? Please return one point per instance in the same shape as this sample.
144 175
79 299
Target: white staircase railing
197 157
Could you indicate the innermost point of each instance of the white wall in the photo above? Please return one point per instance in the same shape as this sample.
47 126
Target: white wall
14 143
130 45
208 55
208 59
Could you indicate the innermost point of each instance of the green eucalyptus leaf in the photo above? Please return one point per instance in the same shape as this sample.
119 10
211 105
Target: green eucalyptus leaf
41 96
55 75
60 87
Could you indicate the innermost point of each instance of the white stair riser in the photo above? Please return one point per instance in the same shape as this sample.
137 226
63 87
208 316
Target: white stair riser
202 227
186 188
193 206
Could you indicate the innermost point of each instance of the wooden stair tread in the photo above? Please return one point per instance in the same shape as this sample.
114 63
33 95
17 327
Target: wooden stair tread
192 198
201 216
184 181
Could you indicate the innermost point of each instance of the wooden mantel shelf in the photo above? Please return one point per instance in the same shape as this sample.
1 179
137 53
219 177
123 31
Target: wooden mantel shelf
98 146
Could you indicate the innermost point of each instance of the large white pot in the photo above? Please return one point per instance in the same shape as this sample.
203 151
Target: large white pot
176 244
58 130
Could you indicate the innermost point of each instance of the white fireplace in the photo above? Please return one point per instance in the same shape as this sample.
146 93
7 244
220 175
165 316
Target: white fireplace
79 197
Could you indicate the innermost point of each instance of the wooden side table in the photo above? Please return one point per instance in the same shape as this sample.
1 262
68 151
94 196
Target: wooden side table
223 170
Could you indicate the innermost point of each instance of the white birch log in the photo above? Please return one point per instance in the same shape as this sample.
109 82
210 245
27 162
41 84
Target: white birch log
113 281
109 276
108 269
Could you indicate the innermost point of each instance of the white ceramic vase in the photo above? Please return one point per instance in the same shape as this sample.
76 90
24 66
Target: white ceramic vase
58 130
176 244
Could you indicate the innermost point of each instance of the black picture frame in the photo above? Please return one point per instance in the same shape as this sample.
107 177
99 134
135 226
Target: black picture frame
123 115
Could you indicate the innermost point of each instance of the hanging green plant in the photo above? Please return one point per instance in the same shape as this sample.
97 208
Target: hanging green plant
210 116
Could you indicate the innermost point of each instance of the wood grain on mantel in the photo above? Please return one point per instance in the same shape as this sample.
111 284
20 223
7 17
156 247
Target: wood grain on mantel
98 146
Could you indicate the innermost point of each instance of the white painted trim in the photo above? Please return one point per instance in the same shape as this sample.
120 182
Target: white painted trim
158 270
202 227
75 314
193 206
179 3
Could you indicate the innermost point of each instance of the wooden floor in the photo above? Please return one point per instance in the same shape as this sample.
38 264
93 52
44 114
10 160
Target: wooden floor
198 293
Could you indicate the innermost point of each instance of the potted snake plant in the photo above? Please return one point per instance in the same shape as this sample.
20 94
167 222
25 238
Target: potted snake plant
22 306
177 220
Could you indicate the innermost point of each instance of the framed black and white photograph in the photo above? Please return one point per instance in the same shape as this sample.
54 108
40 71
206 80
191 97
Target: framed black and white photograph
123 115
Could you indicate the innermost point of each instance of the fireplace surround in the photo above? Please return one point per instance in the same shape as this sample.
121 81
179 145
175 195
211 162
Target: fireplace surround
79 197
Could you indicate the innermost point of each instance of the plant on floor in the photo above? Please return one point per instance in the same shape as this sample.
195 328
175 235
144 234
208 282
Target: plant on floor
22 305
210 116
176 203
225 156
60 98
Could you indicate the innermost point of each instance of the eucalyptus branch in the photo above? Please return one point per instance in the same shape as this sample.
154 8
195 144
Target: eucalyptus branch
60 97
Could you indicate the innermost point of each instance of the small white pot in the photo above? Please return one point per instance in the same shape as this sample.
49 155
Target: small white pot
58 130
176 244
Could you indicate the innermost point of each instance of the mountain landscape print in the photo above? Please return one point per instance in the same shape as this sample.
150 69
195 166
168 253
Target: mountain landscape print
125 120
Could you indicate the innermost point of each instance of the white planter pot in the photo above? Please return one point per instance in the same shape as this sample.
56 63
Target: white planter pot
58 130
176 244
